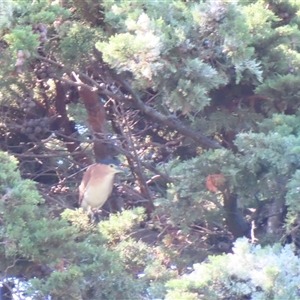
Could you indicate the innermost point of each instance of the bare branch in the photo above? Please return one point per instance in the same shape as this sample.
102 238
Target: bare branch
170 121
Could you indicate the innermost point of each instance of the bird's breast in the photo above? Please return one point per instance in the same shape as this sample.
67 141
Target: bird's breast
96 193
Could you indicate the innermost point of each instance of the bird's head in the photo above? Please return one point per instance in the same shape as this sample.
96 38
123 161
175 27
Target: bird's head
111 166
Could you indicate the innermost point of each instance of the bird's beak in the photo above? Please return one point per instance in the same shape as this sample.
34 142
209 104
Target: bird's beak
119 170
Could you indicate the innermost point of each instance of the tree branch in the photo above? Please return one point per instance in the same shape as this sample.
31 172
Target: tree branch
169 121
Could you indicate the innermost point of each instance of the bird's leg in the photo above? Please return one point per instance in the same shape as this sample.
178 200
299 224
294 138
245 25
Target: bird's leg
91 214
94 214
97 214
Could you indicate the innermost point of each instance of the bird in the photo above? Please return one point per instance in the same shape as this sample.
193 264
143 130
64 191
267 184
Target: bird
97 184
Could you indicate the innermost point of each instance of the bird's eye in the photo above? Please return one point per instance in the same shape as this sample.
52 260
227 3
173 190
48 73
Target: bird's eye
111 165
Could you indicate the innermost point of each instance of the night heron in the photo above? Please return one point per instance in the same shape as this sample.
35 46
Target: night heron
97 184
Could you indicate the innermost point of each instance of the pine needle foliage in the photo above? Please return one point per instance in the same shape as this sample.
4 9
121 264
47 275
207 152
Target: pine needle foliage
249 272
73 257
175 73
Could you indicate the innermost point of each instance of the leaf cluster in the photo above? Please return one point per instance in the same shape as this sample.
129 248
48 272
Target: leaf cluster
74 256
251 271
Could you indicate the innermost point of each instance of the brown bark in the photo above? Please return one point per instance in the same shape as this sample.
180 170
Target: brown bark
63 123
234 218
125 130
276 218
96 119
170 121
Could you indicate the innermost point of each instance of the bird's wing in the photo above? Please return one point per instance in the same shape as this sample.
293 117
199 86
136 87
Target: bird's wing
84 183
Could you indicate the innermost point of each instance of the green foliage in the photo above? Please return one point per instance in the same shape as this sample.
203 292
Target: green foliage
37 11
77 41
282 89
119 225
229 69
31 234
259 21
189 195
22 38
292 199
188 80
281 124
139 258
251 271
26 224
258 173
138 54
6 13
41 12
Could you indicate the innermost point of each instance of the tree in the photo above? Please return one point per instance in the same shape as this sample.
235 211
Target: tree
198 99
251 272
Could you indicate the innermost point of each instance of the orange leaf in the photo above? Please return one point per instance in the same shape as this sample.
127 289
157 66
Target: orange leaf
214 182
